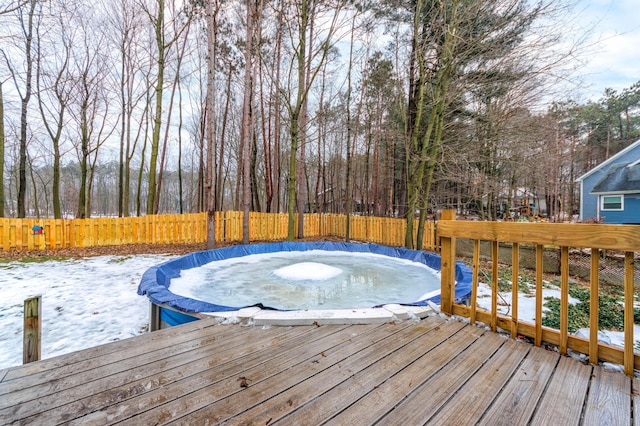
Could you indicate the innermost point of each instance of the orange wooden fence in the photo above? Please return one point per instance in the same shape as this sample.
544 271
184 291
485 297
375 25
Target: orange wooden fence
40 234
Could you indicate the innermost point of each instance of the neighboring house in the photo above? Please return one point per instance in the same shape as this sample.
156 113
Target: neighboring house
610 192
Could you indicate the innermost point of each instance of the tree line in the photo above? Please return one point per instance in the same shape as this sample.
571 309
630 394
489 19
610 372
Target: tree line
391 108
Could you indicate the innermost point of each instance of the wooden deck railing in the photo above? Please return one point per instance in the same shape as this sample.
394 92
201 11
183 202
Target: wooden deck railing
40 234
595 237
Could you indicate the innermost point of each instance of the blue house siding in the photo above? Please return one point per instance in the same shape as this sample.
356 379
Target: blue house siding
589 202
630 214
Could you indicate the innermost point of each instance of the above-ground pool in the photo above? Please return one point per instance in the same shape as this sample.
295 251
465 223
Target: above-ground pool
297 280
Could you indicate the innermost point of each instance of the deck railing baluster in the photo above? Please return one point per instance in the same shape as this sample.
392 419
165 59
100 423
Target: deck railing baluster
564 299
628 312
515 281
594 306
494 286
539 299
474 285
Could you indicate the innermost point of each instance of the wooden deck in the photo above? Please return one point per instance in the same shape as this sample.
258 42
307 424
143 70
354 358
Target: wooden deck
433 371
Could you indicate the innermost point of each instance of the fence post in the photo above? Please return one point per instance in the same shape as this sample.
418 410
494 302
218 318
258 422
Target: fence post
154 317
32 331
448 268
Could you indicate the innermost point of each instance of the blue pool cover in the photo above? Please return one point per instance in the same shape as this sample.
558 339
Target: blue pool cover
156 280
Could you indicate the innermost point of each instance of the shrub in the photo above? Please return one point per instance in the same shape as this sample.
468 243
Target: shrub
610 311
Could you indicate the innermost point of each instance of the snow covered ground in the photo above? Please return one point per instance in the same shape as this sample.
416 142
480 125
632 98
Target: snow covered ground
85 302
527 312
93 301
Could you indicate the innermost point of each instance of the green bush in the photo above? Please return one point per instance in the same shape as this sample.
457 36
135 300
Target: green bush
610 311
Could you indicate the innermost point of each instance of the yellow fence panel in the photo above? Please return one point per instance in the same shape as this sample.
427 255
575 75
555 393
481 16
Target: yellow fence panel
18 234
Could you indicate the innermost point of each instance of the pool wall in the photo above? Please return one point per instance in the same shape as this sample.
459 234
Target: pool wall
156 280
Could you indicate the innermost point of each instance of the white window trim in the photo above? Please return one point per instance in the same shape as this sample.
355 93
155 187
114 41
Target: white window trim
612 210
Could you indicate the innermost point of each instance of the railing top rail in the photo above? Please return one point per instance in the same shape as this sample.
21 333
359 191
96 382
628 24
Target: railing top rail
580 235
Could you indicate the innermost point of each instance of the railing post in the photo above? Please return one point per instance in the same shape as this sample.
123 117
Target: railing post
32 330
448 268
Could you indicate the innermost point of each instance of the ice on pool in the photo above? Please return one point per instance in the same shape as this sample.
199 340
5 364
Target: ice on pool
308 271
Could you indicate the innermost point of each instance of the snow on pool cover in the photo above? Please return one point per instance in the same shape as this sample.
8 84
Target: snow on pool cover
171 283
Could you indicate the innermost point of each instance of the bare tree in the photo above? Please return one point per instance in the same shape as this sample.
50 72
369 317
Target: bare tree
181 54
12 7
163 46
212 10
2 139
54 87
254 9
91 105
303 79
125 19
27 26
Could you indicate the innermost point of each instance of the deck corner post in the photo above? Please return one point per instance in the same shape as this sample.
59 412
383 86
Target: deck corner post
448 268
32 331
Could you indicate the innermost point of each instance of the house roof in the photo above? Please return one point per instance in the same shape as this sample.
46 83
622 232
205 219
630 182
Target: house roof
623 177
610 160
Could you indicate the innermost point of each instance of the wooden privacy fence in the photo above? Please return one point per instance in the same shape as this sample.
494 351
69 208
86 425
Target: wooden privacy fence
593 237
41 234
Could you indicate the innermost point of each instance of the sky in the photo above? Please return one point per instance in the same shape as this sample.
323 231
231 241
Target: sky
93 301
613 53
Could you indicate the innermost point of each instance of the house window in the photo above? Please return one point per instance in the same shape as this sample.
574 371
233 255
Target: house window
611 202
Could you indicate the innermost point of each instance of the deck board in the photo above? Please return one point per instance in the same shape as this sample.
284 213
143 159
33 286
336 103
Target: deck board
343 383
213 376
563 400
420 375
517 400
375 379
434 371
323 371
635 401
163 377
608 402
471 400
229 394
77 361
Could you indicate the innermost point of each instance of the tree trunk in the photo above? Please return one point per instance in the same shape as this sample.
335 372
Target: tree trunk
295 112
347 182
2 198
267 143
157 122
302 188
167 124
223 135
123 124
255 194
211 195
276 113
247 119
180 124
36 203
24 108
421 162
